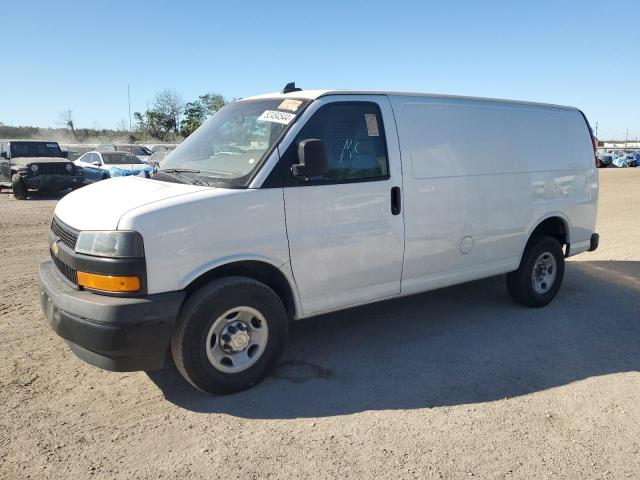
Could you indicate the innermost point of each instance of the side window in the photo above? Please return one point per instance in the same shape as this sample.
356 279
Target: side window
353 135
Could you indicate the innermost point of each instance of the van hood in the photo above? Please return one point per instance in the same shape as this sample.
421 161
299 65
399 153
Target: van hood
100 206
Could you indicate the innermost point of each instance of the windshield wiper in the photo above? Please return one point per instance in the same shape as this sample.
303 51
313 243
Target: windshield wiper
178 172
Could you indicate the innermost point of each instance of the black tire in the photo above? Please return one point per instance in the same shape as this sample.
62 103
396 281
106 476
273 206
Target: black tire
197 316
19 188
520 283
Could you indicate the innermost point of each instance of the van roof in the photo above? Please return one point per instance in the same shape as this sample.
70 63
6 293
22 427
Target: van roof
314 94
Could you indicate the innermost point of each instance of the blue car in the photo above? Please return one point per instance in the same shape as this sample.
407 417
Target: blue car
102 165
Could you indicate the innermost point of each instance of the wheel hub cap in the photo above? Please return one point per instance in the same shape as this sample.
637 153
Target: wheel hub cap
544 273
235 337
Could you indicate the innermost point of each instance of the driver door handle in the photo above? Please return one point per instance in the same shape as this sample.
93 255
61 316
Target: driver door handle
395 200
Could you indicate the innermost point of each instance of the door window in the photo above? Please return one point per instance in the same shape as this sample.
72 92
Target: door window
353 135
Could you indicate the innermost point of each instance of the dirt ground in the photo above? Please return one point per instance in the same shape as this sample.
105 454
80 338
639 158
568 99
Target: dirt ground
456 383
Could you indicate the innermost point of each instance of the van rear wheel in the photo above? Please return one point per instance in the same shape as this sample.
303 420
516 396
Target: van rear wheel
538 279
229 335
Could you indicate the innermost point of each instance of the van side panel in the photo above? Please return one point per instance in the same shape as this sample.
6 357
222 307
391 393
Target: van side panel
478 178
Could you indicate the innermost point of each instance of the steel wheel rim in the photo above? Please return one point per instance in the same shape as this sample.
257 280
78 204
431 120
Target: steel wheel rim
545 271
237 339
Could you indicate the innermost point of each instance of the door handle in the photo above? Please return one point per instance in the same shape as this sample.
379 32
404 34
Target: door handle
395 200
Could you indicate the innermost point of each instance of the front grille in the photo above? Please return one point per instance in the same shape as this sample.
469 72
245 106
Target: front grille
67 235
53 169
70 273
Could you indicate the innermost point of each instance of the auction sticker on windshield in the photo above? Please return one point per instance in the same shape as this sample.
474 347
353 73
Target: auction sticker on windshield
277 117
290 104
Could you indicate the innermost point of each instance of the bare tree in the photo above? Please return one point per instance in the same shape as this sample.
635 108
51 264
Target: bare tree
65 119
123 126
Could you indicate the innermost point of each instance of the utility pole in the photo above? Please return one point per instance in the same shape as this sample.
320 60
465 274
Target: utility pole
626 136
129 98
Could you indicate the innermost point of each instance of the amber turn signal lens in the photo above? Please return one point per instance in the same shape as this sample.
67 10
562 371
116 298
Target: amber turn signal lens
109 283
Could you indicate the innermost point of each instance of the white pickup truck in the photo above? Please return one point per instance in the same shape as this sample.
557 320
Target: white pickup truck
293 204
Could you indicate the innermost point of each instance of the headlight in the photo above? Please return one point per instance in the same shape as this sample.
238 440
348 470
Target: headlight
34 167
69 167
110 244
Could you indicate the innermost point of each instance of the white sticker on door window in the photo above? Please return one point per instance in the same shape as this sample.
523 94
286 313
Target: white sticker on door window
290 104
277 117
52 145
372 124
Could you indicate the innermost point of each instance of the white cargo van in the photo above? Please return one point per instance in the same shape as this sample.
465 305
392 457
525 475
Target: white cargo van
285 206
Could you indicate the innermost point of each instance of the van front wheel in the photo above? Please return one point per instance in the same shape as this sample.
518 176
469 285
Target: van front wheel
538 279
229 335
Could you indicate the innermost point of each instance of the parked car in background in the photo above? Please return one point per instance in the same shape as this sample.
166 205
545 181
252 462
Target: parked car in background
106 147
102 165
635 161
36 165
162 147
606 160
625 159
160 152
75 151
621 161
157 157
91 164
140 151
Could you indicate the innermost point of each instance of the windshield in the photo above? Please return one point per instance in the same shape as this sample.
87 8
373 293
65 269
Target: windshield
119 159
231 144
35 149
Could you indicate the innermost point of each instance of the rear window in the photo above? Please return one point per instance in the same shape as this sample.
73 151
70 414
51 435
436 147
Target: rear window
35 149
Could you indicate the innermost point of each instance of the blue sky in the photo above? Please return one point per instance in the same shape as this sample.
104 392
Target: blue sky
81 55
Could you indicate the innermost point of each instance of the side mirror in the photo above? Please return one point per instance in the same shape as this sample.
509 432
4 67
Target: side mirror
4 155
312 159
65 154
96 163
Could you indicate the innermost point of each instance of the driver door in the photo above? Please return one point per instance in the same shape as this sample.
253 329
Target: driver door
346 237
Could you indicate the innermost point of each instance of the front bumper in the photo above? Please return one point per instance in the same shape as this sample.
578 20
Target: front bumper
53 182
114 333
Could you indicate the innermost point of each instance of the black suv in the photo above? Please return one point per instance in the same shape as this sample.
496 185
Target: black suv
37 165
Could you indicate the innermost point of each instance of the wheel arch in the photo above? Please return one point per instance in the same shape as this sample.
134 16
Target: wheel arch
554 224
258 269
